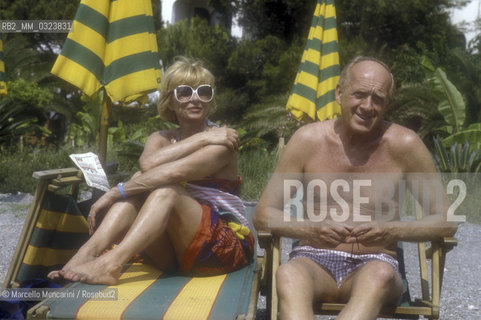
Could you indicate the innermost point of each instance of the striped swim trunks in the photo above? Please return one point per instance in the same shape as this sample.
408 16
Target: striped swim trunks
339 263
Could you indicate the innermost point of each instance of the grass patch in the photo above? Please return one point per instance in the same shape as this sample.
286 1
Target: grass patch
16 167
255 167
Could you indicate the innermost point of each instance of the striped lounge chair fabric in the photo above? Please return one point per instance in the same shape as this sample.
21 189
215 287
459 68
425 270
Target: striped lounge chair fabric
56 228
143 292
60 230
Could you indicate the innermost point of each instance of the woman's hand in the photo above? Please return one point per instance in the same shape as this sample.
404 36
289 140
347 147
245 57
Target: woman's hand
223 136
99 208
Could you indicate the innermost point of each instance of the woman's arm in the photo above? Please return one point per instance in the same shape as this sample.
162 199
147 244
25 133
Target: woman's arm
159 150
212 160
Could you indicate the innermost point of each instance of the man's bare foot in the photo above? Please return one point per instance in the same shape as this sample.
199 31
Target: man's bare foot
82 256
98 271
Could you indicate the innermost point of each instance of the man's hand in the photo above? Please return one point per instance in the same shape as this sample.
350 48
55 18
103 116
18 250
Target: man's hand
372 233
223 136
331 234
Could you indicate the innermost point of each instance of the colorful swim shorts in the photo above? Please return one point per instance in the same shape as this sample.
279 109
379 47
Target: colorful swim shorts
340 263
215 248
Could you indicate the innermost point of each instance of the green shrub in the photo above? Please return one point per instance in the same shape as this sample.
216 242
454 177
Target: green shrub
456 159
17 167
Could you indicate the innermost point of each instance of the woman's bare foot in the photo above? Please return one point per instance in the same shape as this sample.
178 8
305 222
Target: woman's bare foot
102 270
82 256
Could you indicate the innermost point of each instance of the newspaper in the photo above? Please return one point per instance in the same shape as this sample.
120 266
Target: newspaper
93 172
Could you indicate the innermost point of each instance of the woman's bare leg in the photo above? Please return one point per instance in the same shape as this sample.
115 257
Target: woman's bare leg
165 208
114 225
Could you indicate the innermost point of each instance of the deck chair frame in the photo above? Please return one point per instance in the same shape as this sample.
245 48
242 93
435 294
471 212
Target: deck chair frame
71 178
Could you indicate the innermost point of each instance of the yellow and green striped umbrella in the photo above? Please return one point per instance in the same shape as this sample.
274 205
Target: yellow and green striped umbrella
3 77
313 93
112 44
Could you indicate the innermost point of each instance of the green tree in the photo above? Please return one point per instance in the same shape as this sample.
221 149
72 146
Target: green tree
22 110
467 77
30 56
398 32
196 39
437 107
45 44
288 19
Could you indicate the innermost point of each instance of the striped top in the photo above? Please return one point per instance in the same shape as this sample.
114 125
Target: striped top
219 200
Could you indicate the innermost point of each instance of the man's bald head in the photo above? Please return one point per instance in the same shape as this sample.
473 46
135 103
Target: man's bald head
346 73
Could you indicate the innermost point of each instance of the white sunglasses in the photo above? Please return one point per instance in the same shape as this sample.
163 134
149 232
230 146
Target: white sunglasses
185 93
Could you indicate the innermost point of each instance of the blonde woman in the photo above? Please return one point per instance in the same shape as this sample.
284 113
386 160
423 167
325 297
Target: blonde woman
182 208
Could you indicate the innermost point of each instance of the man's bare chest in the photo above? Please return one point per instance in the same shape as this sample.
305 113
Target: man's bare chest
335 158
333 177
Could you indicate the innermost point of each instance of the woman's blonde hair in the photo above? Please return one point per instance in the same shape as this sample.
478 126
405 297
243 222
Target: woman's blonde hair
183 71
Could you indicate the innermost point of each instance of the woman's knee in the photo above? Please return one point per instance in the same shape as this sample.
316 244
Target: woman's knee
170 192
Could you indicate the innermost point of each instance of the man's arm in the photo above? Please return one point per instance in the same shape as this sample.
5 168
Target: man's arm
419 169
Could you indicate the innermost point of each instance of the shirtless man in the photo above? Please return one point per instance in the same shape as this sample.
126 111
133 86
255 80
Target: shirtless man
350 260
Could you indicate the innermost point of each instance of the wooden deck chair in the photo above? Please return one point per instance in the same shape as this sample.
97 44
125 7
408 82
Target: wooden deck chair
143 292
428 306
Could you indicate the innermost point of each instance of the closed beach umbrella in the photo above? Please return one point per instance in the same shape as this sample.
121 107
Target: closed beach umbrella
3 77
111 46
313 92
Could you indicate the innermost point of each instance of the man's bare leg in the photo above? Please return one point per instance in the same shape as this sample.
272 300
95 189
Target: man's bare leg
371 287
151 222
114 225
300 282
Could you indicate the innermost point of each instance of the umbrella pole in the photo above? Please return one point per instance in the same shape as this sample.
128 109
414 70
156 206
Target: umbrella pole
104 127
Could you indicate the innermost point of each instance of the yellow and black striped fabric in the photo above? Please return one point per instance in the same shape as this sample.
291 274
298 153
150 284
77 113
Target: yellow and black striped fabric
59 231
313 92
112 44
3 77
144 292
